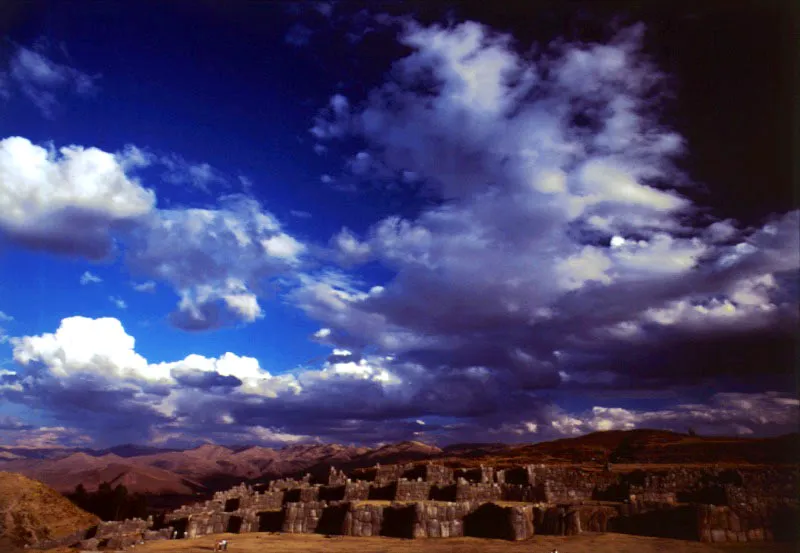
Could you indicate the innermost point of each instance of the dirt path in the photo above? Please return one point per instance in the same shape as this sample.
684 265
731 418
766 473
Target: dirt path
586 543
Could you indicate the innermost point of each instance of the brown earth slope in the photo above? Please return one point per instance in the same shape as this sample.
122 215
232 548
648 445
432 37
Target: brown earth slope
31 511
79 468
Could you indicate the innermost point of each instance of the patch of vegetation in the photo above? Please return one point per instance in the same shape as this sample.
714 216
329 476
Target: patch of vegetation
110 503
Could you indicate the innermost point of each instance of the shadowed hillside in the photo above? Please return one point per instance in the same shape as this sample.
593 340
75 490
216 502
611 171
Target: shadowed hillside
636 447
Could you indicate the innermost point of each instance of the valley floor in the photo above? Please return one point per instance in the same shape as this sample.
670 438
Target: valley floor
585 543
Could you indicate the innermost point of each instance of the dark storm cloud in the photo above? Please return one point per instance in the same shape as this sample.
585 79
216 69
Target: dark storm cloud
204 380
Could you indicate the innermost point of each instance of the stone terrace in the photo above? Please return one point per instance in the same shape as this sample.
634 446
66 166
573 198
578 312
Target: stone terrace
430 500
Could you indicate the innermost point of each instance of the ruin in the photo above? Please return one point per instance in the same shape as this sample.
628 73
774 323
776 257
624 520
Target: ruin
433 501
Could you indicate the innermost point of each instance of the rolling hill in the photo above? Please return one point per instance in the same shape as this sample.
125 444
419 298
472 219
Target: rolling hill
210 467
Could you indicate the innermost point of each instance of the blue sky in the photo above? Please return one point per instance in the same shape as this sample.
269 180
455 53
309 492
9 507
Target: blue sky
267 223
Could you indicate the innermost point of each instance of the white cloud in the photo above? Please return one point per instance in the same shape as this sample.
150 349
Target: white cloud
552 217
662 254
215 258
199 175
247 183
66 200
284 247
198 308
589 265
725 413
44 437
81 201
97 357
89 278
84 346
92 363
147 286
348 248
118 302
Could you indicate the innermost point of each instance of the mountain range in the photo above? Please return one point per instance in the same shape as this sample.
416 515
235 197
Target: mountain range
149 470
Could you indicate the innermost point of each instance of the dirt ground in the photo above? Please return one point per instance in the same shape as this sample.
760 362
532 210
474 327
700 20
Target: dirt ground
585 543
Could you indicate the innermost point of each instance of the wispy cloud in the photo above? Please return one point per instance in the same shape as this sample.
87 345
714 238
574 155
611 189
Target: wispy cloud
298 35
119 302
147 286
199 175
90 278
42 80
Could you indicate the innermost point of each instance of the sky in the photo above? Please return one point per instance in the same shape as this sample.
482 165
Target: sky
278 223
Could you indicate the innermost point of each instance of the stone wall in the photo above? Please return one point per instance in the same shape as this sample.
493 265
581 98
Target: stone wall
481 475
478 492
356 491
335 478
559 500
386 474
569 485
766 521
412 491
363 520
438 474
302 518
286 483
438 520
522 492
267 501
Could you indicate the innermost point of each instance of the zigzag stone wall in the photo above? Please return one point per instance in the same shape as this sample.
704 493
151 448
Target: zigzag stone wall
711 505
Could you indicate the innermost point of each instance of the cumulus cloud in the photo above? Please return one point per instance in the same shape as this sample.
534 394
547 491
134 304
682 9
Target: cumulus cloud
42 80
559 248
82 201
555 256
66 201
217 259
90 367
